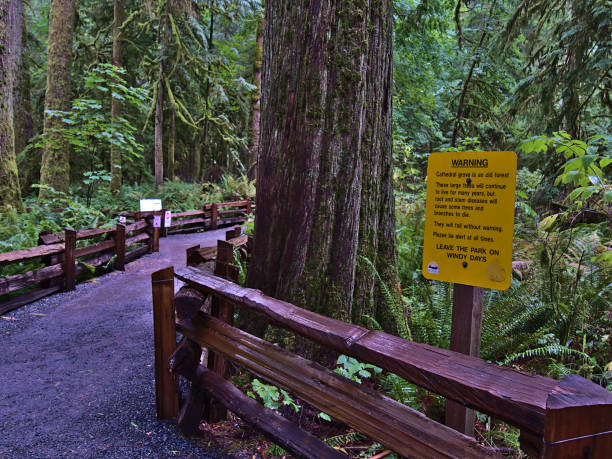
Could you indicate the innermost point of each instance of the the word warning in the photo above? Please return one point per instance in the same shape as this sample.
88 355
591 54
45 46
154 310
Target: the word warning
469 220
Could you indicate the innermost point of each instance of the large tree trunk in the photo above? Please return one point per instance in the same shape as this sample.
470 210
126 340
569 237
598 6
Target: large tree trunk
23 123
326 112
10 53
377 287
164 37
256 99
55 167
115 159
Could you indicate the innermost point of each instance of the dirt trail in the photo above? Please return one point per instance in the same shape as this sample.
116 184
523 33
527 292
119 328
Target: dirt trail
76 373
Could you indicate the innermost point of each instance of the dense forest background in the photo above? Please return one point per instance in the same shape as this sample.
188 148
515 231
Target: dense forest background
163 101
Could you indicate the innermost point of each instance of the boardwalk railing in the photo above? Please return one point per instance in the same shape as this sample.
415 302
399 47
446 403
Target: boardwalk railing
68 254
210 217
65 256
567 418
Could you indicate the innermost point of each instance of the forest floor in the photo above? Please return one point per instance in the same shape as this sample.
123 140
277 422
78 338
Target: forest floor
77 376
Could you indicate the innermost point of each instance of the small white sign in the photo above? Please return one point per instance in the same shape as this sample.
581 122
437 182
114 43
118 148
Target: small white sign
122 219
156 221
167 219
149 205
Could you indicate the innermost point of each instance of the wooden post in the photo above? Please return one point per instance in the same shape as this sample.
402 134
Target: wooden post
156 230
69 259
234 232
248 208
465 338
577 425
225 312
166 387
120 247
213 216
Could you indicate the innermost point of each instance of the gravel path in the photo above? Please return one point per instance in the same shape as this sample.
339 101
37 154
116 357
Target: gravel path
76 369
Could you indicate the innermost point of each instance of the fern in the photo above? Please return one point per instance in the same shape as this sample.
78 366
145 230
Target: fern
396 309
549 350
340 441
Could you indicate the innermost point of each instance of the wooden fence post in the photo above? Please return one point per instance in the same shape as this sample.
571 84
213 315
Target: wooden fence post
465 338
120 247
213 216
166 387
69 259
248 208
225 312
156 229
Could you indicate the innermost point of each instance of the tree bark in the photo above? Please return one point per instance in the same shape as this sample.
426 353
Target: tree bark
171 145
209 40
378 292
22 119
10 53
197 158
164 39
159 136
55 167
326 112
256 98
115 159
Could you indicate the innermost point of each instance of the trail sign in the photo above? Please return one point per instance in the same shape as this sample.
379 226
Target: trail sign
469 218
149 205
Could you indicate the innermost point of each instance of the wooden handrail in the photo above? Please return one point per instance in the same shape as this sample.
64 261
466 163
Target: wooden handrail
550 413
397 426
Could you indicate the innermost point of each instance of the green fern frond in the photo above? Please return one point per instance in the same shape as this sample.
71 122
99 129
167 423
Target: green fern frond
549 350
345 439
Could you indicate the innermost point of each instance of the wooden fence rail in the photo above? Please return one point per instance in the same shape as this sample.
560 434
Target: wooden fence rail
567 418
210 217
65 257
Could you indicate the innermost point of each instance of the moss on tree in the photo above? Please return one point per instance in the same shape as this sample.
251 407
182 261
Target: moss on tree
10 36
55 167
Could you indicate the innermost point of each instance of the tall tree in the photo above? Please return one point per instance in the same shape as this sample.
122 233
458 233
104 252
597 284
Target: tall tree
119 16
10 53
55 167
171 145
325 210
256 99
22 116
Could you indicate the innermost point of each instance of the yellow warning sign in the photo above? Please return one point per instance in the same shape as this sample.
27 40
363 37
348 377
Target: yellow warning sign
469 220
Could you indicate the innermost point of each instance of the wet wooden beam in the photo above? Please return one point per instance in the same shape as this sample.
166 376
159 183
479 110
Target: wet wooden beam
393 424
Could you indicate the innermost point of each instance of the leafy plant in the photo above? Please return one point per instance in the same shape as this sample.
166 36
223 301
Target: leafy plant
354 370
271 396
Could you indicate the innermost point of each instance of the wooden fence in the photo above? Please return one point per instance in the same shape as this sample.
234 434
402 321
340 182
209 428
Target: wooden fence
567 418
65 256
210 217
